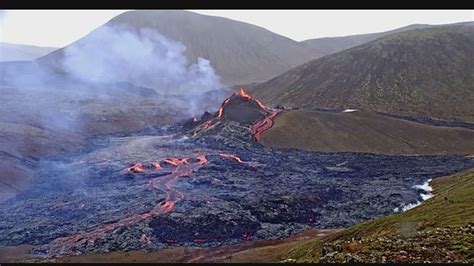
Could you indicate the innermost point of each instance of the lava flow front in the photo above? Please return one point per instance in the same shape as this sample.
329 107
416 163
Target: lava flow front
263 125
182 167
243 108
198 184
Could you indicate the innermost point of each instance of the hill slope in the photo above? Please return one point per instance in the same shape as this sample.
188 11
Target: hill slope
364 132
440 230
330 45
239 52
424 72
20 52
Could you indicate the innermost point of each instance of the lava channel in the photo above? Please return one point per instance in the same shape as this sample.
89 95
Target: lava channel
259 127
182 167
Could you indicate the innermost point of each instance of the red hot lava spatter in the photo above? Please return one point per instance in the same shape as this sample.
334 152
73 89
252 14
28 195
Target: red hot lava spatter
259 127
237 159
182 167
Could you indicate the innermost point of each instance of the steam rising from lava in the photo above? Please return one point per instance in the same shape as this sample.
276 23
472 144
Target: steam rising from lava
110 58
142 57
84 89
182 167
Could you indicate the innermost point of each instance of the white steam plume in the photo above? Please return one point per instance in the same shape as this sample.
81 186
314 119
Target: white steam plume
142 57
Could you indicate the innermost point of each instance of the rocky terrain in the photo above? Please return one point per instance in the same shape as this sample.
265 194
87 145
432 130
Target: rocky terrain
205 183
338 167
440 230
37 123
442 244
421 72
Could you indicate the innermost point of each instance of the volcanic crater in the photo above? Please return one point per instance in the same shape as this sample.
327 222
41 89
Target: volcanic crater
206 182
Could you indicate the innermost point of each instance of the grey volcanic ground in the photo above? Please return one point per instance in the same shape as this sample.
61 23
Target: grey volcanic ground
87 202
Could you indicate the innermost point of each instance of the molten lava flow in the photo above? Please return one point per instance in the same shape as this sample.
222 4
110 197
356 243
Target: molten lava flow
157 166
136 168
221 110
244 94
167 206
230 156
261 105
202 159
183 167
247 96
263 125
237 159
176 162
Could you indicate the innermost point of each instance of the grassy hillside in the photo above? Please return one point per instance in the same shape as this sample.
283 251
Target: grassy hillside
330 45
364 132
423 72
440 230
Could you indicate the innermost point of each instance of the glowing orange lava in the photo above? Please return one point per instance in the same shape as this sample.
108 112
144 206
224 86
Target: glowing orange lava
167 206
202 159
230 156
157 166
263 125
176 162
244 94
221 110
136 168
261 105
247 96
162 183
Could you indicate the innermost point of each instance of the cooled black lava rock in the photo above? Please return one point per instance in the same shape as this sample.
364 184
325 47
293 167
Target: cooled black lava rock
256 192
190 123
206 116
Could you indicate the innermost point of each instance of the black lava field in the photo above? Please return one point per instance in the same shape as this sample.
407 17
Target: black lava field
204 183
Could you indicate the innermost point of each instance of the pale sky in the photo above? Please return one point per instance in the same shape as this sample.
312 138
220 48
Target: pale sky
57 28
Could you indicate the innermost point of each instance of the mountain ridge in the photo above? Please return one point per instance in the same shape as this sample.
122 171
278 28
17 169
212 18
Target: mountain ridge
422 72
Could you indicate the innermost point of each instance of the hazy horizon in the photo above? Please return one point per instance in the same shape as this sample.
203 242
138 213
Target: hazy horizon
41 27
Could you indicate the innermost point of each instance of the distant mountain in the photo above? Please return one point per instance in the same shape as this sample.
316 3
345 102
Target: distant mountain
422 72
20 52
330 45
239 52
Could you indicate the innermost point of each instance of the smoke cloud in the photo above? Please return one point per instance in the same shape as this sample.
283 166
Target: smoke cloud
114 80
143 58
113 59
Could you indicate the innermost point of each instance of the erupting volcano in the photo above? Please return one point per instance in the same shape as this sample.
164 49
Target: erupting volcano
207 182
241 107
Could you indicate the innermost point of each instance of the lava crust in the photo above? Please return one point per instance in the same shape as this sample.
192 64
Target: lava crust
207 184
